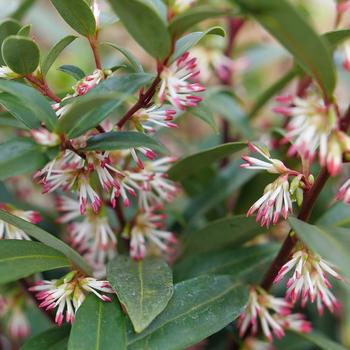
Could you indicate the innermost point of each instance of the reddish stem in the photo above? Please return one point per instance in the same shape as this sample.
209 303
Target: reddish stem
42 86
94 47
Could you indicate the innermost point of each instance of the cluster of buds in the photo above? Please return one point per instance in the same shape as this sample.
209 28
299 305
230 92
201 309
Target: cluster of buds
8 231
278 196
68 293
274 314
309 279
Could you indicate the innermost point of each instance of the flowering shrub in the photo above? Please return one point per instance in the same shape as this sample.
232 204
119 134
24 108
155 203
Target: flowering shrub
125 223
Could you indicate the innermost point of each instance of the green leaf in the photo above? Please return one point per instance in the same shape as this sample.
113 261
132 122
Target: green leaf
319 340
78 15
90 110
55 338
8 27
14 155
231 231
236 262
73 71
54 52
19 259
192 39
148 29
187 19
195 162
143 287
203 112
337 215
8 120
98 326
135 64
336 37
13 104
200 307
22 9
31 99
46 238
290 28
16 46
25 30
332 243
116 140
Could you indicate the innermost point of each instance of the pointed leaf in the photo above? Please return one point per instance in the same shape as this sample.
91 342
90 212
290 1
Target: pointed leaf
148 29
98 326
195 162
25 30
143 287
73 71
46 238
200 307
20 259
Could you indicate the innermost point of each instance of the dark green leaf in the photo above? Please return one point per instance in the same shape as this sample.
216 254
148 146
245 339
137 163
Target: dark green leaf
184 21
116 140
19 259
31 99
148 29
25 31
6 119
337 215
336 37
290 28
55 338
236 262
78 15
332 243
8 27
195 162
203 112
14 157
13 104
73 71
143 287
200 307
46 238
190 40
135 64
98 326
54 52
231 231
16 46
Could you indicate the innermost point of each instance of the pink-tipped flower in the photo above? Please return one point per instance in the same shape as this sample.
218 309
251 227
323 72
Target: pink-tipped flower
146 233
275 202
147 152
266 309
154 116
309 280
8 231
44 137
88 83
176 87
68 293
344 192
18 324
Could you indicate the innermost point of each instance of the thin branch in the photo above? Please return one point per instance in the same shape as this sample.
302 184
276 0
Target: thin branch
94 47
42 86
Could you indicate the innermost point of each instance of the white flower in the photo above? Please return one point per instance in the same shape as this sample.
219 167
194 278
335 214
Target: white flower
8 73
45 137
344 192
88 82
68 293
182 5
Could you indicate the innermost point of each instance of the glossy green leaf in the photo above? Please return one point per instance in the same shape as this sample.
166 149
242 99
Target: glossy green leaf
7 27
25 30
195 162
143 287
98 326
13 104
192 39
46 238
8 120
200 307
236 262
90 110
73 71
31 99
54 52
148 29
187 19
116 140
203 112
336 37
332 243
290 28
55 338
19 259
78 15
320 341
135 64
230 231
22 9
14 155
336 215
16 46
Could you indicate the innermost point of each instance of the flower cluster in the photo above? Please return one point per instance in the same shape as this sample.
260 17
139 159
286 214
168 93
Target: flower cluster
273 314
68 293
